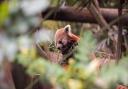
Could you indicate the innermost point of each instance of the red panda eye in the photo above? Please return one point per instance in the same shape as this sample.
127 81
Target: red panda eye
60 42
66 29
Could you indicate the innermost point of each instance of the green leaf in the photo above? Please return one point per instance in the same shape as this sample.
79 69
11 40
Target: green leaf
4 12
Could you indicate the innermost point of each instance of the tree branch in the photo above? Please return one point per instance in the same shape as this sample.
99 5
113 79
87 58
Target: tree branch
84 16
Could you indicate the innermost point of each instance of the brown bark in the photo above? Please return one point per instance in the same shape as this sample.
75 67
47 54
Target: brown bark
23 81
84 16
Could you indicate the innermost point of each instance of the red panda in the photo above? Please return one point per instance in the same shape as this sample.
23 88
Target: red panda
65 39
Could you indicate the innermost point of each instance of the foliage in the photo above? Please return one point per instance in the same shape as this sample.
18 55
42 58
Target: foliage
86 46
4 9
76 75
116 73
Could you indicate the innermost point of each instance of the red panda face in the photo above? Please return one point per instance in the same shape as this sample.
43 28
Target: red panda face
64 39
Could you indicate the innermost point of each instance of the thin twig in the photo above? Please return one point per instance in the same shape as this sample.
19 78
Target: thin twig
32 83
98 16
115 21
42 52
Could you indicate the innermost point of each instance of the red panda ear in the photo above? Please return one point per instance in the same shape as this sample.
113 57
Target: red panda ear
67 28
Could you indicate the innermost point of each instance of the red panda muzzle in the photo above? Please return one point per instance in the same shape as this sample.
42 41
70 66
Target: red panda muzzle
65 49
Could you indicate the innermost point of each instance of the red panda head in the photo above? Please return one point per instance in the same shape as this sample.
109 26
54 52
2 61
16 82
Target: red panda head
64 39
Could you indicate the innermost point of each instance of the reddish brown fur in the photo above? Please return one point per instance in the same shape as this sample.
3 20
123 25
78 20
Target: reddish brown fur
64 39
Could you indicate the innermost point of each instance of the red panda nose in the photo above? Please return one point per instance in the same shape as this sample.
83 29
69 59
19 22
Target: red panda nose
58 48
